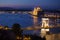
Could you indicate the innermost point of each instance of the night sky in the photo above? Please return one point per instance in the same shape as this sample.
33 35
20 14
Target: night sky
46 4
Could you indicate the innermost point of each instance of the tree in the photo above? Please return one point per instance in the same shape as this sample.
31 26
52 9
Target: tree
6 27
17 29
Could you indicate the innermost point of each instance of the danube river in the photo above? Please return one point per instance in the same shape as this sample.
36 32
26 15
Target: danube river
24 19
9 19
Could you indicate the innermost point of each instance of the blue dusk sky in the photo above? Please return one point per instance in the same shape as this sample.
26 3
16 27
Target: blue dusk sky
49 4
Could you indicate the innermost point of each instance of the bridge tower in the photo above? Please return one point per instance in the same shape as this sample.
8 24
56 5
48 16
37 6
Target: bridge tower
45 25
